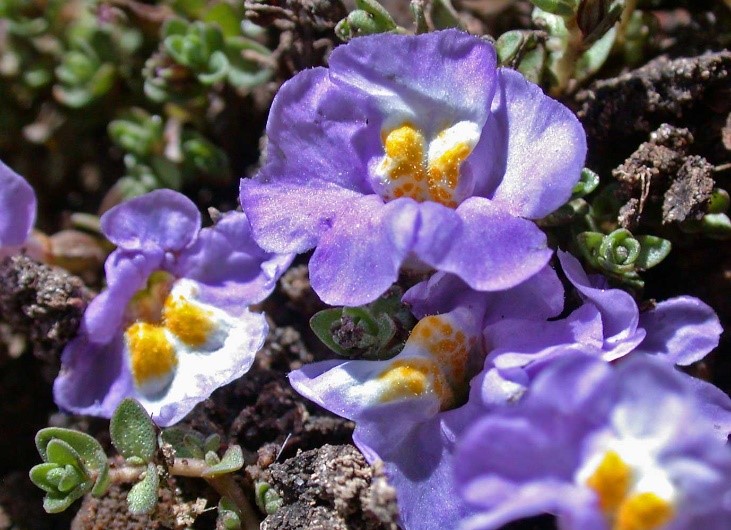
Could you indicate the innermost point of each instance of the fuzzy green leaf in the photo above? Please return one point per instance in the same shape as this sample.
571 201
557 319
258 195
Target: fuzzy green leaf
88 449
652 251
232 460
132 431
142 498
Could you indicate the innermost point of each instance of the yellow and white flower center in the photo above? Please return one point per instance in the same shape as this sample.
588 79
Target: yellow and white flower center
632 490
426 170
433 362
167 321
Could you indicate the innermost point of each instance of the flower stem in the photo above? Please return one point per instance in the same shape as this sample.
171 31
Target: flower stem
566 64
225 485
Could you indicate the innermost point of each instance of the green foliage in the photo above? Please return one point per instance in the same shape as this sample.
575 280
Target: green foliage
194 56
621 255
149 150
232 460
133 433
563 8
142 497
228 515
374 331
368 18
267 499
715 223
74 464
186 443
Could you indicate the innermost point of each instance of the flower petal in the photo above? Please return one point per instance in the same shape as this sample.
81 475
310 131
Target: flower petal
681 330
232 269
94 377
17 208
491 250
413 78
536 148
200 372
360 256
620 314
162 219
321 137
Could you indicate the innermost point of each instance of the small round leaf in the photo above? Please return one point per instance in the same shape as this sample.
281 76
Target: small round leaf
132 431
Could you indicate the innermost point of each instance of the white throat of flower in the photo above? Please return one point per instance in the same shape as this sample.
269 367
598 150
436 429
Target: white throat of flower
423 168
172 325
633 491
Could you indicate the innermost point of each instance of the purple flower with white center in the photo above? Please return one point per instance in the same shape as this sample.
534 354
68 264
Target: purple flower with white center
173 324
17 209
608 325
601 448
410 409
413 151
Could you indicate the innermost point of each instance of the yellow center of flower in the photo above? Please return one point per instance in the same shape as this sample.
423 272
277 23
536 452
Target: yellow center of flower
152 356
409 169
162 321
439 364
612 481
645 511
190 323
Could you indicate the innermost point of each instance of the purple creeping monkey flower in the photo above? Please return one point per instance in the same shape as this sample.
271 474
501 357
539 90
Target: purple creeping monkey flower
608 325
410 410
172 324
413 151
601 448
17 208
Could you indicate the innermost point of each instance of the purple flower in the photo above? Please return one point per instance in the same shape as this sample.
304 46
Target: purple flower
607 325
413 151
17 209
409 410
172 325
601 448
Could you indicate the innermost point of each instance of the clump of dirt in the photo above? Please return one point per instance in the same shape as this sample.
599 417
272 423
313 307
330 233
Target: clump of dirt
42 303
330 488
661 171
110 512
618 113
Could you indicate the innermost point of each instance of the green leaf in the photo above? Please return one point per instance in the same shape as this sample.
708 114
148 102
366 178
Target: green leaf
620 249
86 447
564 8
217 69
267 499
587 183
57 503
228 515
232 460
132 431
226 17
186 443
443 15
321 324
103 480
142 498
39 475
378 13
653 250
716 226
70 479
594 58
589 243
719 202
212 443
64 478
61 453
